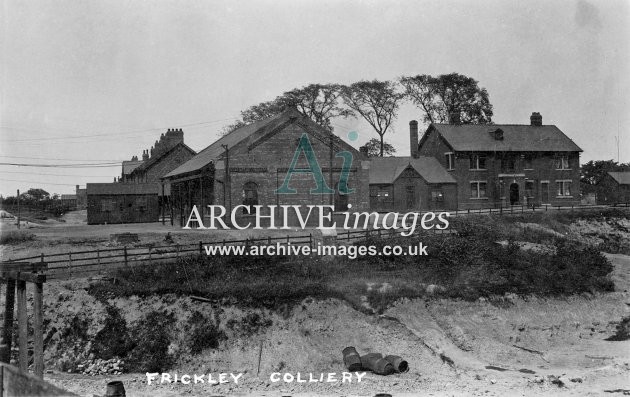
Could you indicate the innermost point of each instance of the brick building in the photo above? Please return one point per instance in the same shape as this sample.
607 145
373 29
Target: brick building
614 188
411 183
122 203
249 166
507 164
167 154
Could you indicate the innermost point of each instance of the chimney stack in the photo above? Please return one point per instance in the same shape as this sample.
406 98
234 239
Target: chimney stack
454 117
413 138
535 119
145 155
364 150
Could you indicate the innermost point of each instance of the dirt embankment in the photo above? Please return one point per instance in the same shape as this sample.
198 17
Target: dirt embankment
533 346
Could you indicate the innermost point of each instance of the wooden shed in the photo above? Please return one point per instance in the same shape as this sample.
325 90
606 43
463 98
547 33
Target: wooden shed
122 203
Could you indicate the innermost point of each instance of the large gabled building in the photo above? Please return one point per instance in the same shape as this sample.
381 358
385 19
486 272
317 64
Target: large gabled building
249 166
506 164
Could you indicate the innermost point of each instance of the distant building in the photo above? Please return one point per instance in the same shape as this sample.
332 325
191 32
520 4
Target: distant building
130 198
69 201
507 164
81 197
614 188
122 203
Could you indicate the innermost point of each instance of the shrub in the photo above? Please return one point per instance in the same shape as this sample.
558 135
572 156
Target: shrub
113 339
16 237
151 339
203 333
623 330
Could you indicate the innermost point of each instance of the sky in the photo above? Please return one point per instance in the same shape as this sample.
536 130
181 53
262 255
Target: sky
97 82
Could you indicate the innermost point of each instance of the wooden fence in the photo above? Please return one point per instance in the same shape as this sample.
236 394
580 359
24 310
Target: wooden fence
89 262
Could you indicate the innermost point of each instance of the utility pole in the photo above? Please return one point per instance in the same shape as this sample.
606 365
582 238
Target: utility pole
227 185
18 202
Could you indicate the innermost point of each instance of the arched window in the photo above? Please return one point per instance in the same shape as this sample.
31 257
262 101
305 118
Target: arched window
250 194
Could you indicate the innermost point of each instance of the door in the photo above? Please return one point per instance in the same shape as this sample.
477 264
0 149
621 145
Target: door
411 197
544 192
514 194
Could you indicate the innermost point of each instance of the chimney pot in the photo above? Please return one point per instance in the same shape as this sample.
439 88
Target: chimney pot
535 119
413 138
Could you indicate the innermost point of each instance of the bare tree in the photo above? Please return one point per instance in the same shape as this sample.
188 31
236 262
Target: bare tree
376 101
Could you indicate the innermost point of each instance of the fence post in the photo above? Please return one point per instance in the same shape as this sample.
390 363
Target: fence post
7 336
125 251
200 248
98 256
38 329
268 240
310 240
69 263
22 325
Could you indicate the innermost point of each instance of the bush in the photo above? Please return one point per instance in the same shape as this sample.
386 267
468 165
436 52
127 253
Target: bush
204 334
151 341
16 237
113 339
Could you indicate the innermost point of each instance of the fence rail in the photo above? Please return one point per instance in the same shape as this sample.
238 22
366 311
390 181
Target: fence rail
87 262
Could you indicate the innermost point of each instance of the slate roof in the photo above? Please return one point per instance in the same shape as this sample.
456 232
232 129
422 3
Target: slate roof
516 138
121 188
68 196
145 165
622 178
216 150
385 170
128 166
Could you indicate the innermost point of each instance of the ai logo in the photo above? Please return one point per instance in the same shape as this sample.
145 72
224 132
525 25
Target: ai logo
304 146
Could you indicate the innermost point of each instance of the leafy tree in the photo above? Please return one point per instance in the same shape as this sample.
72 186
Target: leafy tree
319 102
446 95
374 148
592 172
35 195
377 102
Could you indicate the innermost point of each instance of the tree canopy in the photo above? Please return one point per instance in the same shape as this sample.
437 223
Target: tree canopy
374 148
591 173
445 96
377 102
319 102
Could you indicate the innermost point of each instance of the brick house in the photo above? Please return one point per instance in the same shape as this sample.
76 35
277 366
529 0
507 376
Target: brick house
411 183
507 164
249 166
614 188
167 154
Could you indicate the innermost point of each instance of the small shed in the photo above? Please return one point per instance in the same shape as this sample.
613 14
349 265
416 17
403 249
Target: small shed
122 203
614 188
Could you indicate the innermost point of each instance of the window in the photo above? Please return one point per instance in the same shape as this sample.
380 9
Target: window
477 162
562 162
450 161
437 196
478 190
141 204
529 188
108 205
250 196
341 201
508 164
563 188
527 162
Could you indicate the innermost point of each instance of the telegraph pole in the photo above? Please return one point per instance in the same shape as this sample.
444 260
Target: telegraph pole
18 202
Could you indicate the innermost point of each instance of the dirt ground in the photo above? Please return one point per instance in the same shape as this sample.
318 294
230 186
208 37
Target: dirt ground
501 347
519 346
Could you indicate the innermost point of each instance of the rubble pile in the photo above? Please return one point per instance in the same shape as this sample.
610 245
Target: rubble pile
99 366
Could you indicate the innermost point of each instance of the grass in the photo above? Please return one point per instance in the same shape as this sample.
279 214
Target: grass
16 237
467 266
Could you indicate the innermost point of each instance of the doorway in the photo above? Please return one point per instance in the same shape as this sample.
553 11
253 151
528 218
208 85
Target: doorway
544 192
411 197
514 194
